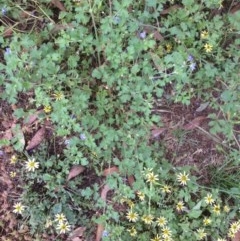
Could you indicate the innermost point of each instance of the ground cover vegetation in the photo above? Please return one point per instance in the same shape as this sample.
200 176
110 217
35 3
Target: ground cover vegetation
119 120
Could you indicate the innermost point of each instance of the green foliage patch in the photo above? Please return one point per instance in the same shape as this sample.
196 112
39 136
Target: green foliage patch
94 73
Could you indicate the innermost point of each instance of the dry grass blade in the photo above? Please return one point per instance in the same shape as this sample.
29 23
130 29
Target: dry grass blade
37 139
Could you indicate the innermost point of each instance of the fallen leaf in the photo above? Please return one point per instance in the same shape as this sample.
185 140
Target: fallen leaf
110 170
158 36
104 192
100 230
37 139
158 131
131 180
78 232
58 4
75 171
30 119
235 8
202 107
194 123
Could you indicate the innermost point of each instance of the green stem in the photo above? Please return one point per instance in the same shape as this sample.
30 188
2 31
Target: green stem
95 30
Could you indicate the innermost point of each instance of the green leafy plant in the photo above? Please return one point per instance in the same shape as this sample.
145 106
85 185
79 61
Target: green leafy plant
92 71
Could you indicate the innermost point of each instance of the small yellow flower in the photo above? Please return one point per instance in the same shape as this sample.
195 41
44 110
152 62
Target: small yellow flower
161 221
130 203
216 209
221 239
166 232
13 159
132 216
18 208
147 219
141 195
201 233
63 227
166 189
209 199
231 234
183 178
58 95
208 48
31 165
207 221
152 178
168 48
47 109
226 209
13 174
60 218
156 238
204 34
180 206
235 227
132 231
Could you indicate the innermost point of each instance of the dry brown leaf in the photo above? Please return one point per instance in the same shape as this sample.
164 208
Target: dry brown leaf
37 139
194 123
110 170
100 229
30 119
158 131
158 36
75 171
78 232
58 4
131 180
104 192
235 8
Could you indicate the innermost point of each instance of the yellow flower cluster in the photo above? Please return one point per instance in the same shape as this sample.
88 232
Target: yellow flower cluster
149 219
234 228
62 223
150 176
